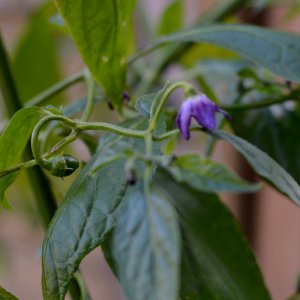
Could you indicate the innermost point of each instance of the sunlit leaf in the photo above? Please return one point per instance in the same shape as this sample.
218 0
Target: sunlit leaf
100 30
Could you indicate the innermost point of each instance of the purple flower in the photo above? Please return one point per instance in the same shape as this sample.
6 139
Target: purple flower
202 109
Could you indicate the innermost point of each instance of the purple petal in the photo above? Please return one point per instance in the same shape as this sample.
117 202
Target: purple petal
204 112
225 113
183 119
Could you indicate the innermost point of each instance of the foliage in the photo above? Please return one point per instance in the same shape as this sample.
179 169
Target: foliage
157 216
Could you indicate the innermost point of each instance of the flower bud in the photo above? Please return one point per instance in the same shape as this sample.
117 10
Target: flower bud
131 177
63 165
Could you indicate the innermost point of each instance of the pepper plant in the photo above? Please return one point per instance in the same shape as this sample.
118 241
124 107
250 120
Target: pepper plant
157 216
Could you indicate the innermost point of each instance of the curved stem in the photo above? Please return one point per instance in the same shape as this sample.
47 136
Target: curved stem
188 89
91 86
35 135
31 163
55 89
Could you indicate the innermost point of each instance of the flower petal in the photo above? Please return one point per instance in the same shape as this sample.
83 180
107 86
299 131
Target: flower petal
183 119
204 112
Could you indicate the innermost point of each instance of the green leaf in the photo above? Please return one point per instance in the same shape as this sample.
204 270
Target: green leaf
147 229
88 212
277 51
144 103
5 295
264 166
217 263
206 175
157 99
147 104
82 222
35 62
101 30
13 141
295 297
275 131
172 18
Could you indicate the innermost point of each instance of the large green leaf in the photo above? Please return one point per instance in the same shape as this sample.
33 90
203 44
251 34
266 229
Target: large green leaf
35 62
206 175
264 166
13 141
217 263
145 246
88 212
100 29
276 51
82 222
5 295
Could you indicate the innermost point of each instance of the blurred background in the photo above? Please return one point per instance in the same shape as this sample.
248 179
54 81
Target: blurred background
270 221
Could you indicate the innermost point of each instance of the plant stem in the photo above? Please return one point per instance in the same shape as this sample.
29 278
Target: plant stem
161 137
188 89
91 86
28 164
294 95
56 89
40 184
35 146
110 127
164 136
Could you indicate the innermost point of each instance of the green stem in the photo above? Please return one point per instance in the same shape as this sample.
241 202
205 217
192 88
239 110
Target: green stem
56 148
165 136
110 127
81 126
35 146
294 95
188 89
56 89
162 137
91 86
